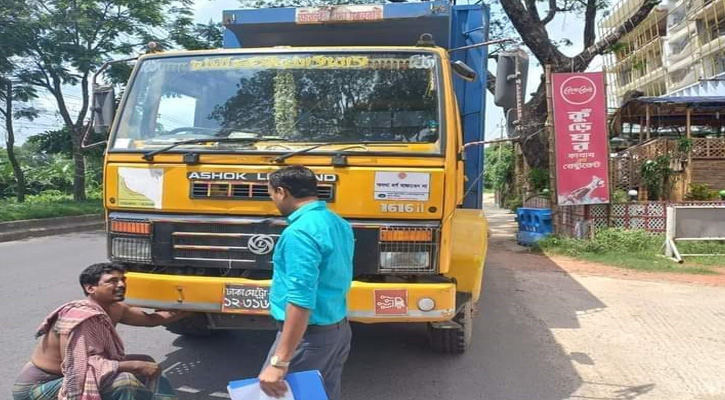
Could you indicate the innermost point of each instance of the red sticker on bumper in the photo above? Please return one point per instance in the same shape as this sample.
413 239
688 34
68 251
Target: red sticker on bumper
391 302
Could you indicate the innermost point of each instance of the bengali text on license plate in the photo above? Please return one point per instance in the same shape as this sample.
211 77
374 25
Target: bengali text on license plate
247 299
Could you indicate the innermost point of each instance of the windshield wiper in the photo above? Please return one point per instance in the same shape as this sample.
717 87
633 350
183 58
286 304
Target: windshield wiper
149 156
363 144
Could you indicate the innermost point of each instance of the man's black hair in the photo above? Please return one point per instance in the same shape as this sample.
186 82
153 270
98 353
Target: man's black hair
298 180
92 274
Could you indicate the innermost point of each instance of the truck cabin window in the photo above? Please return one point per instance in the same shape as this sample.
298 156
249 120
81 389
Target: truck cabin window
292 99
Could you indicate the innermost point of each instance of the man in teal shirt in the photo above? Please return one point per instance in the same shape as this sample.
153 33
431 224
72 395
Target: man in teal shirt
312 275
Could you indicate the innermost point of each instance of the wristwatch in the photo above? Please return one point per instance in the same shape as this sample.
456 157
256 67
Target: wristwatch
275 361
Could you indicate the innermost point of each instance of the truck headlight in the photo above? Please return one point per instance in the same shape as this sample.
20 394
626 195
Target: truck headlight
131 249
408 249
399 261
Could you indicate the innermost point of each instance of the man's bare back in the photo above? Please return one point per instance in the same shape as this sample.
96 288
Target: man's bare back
46 354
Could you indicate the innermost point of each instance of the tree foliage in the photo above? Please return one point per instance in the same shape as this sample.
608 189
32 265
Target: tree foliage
15 32
71 39
184 33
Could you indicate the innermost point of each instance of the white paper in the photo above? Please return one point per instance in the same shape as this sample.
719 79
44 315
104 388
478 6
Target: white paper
254 392
144 183
402 186
122 143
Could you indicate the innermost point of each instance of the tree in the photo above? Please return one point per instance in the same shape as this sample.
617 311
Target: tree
526 19
15 33
71 39
184 33
9 95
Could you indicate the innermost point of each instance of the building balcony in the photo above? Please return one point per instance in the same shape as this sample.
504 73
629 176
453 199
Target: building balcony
654 45
713 46
713 10
683 77
658 17
656 76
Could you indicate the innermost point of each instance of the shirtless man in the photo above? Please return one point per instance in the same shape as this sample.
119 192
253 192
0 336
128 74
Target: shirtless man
79 355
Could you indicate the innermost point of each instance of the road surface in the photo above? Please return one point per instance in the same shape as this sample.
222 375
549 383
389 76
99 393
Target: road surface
540 334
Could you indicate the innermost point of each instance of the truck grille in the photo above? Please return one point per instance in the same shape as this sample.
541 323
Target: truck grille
245 248
244 191
220 246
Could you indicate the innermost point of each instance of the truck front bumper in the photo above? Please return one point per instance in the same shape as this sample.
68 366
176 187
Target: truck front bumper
367 302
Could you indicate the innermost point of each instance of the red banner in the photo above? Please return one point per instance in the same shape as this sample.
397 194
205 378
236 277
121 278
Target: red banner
580 123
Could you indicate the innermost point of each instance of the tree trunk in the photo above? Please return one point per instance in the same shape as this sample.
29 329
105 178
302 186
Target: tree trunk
76 134
10 142
534 143
79 164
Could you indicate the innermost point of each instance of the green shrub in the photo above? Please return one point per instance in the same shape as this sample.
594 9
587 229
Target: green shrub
605 240
655 175
514 204
538 179
620 196
701 192
47 206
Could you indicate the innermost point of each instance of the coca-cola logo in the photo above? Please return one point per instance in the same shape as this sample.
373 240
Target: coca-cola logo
578 90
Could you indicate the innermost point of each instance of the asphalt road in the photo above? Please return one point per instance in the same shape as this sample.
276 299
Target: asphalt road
514 355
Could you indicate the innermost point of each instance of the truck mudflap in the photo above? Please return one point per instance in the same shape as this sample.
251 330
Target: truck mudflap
368 302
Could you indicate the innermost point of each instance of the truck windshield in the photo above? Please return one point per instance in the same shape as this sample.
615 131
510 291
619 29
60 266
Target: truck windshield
284 101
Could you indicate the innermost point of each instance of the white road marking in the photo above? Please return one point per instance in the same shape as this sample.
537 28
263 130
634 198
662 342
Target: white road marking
166 371
187 389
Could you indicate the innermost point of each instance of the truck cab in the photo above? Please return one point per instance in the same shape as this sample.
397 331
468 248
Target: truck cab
379 101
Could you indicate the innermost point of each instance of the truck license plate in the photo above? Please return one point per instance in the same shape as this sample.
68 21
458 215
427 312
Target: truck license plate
245 299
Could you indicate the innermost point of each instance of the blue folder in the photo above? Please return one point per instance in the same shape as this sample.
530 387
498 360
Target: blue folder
306 385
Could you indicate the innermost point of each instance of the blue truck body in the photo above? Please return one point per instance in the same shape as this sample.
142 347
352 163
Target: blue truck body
452 26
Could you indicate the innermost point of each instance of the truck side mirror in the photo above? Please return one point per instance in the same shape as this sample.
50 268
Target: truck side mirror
464 71
103 108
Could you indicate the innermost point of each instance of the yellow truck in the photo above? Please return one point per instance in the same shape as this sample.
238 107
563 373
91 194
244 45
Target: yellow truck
378 100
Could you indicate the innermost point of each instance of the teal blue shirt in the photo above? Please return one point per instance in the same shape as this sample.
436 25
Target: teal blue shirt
313 265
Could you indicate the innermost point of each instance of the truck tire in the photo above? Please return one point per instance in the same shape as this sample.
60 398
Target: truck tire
453 340
195 326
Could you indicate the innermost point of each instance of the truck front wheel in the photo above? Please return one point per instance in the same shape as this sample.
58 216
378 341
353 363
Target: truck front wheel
453 337
196 325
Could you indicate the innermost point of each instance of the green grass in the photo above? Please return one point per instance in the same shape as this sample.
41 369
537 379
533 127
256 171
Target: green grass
637 250
47 206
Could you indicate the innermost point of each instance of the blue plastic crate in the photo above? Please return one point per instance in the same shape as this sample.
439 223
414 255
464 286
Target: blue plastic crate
535 220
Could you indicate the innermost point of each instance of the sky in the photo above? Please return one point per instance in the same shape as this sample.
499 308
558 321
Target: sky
563 26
